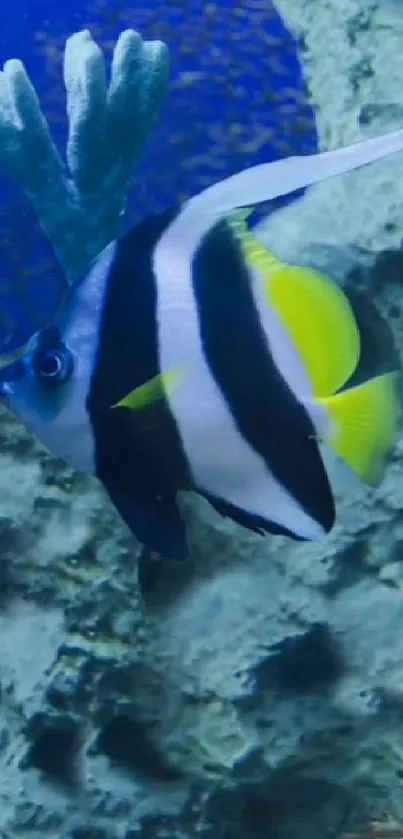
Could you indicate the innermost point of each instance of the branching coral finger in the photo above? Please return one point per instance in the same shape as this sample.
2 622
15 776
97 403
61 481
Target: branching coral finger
80 202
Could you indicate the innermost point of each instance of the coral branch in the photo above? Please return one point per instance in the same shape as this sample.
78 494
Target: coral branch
80 203
23 128
86 86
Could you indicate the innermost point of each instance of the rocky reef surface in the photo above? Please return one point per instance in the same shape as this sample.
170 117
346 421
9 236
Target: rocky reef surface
256 692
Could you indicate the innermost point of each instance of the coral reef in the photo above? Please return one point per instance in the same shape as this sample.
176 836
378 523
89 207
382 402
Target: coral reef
254 693
353 65
80 202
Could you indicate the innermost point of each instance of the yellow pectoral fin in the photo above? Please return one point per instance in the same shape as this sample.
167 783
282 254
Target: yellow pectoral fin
365 420
313 309
153 390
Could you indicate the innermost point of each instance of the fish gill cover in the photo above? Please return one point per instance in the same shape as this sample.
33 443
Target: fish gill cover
235 98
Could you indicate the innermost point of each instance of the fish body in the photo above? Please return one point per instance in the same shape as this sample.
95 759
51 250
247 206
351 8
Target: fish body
241 427
190 358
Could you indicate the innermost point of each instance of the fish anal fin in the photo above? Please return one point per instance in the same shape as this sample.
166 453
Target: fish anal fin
156 524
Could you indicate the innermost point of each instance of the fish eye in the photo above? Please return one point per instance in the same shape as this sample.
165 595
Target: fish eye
53 366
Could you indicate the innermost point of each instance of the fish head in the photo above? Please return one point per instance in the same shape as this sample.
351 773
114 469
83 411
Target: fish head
48 387
37 386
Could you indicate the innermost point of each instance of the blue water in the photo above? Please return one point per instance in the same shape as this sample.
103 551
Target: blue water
247 106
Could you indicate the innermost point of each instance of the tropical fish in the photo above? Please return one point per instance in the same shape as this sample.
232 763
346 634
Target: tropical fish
190 358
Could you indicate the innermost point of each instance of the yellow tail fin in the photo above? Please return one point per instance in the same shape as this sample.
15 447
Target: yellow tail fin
313 309
153 390
365 424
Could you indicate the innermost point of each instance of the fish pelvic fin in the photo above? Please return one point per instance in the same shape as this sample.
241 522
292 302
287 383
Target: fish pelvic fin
154 389
313 308
365 423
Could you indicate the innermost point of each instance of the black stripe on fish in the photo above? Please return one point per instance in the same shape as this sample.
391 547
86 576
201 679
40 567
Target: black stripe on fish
265 410
139 457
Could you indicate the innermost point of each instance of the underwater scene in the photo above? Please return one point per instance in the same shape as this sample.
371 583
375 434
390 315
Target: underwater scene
201 450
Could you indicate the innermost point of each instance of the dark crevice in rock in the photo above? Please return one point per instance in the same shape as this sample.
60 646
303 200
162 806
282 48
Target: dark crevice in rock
55 749
161 582
72 687
117 682
348 569
8 583
387 269
126 742
281 809
88 833
301 664
12 582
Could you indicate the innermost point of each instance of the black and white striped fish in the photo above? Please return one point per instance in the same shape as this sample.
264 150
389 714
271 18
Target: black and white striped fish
190 358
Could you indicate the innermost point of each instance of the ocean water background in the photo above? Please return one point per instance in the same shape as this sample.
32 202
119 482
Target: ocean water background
236 98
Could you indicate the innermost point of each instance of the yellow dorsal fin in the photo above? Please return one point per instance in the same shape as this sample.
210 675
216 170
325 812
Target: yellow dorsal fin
365 424
313 308
153 390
